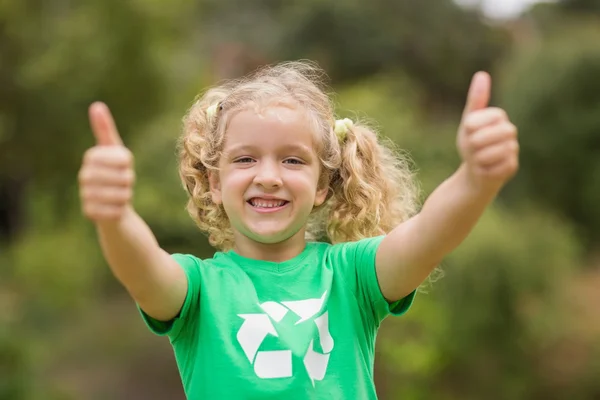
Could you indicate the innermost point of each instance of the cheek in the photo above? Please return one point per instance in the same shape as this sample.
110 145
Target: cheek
236 181
304 181
233 188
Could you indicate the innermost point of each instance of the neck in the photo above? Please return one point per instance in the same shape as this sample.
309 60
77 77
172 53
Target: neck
275 252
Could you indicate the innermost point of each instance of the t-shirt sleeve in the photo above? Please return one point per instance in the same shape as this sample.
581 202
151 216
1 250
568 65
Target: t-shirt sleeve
359 270
191 304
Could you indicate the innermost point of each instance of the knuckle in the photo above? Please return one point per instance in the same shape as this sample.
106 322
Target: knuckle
83 176
86 176
470 122
129 177
125 198
499 113
510 167
514 146
98 155
514 164
119 196
124 155
511 130
89 211
90 155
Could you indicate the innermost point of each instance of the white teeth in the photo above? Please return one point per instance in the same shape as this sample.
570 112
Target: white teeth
267 203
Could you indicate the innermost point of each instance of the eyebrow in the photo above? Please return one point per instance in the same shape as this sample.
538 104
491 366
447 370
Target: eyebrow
240 149
299 148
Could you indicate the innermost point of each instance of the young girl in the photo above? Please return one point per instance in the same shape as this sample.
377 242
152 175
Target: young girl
276 313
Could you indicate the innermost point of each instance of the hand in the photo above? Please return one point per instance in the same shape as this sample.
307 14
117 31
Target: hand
106 176
487 140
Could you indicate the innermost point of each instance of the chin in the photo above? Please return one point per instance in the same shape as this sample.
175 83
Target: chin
270 236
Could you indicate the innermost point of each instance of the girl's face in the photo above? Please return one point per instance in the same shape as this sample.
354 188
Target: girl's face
269 175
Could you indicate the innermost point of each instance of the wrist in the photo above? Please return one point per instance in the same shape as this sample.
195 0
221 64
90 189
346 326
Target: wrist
115 224
476 185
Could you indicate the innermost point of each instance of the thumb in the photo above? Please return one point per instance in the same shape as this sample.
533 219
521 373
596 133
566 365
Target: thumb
103 125
479 92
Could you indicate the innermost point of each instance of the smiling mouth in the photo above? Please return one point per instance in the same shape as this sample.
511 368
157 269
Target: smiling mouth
267 203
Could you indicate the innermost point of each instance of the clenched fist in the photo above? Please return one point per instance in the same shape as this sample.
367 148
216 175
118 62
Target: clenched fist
487 140
106 176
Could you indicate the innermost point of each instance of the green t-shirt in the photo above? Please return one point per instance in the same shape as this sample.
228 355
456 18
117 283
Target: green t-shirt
300 329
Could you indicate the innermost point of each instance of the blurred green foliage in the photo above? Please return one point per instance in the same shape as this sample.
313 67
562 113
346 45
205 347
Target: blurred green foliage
513 317
551 90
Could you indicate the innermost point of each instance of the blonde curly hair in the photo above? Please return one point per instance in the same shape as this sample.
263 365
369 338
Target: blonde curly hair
371 187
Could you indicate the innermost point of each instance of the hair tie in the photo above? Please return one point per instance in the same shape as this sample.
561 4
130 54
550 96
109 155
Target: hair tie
212 111
342 126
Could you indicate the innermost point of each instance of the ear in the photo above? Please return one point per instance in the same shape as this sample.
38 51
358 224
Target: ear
322 192
321 196
215 187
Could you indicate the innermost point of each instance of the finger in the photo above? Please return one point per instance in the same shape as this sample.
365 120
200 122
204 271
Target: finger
103 212
496 153
481 118
111 196
503 169
479 93
493 134
106 177
103 125
112 157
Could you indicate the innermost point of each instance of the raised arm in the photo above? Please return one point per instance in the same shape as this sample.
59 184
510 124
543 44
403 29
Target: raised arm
154 280
487 143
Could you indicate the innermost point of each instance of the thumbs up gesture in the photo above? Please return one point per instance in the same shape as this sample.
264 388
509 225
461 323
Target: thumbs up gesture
106 176
487 140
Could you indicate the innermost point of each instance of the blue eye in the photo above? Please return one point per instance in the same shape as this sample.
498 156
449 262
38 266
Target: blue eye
244 160
294 161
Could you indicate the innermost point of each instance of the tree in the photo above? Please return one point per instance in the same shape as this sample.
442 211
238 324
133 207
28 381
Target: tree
55 62
552 91
581 6
439 44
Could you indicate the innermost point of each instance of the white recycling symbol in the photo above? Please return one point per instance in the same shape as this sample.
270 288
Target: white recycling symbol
278 363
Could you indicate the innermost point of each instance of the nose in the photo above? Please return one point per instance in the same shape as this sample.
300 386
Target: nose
268 176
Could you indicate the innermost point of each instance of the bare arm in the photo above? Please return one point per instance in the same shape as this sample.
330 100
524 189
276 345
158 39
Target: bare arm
488 146
411 251
154 280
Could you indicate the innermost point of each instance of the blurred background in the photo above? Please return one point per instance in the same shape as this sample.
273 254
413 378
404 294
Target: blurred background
517 314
